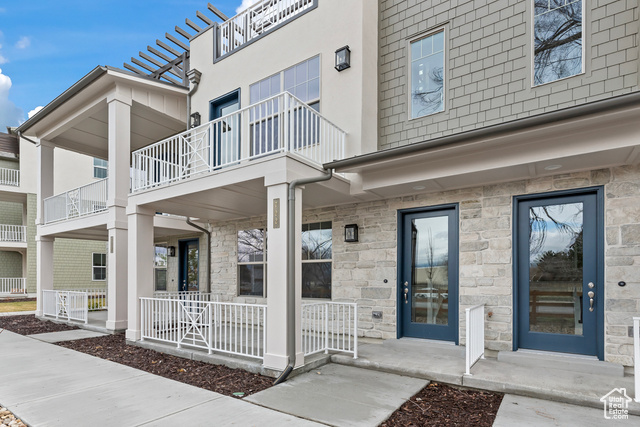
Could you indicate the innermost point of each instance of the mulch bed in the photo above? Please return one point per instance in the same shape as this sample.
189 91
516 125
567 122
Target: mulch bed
442 405
218 378
29 325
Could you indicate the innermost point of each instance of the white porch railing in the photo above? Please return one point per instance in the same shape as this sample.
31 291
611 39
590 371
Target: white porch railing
187 295
10 177
257 20
69 305
13 233
81 201
238 329
13 285
330 326
96 298
475 336
636 356
278 124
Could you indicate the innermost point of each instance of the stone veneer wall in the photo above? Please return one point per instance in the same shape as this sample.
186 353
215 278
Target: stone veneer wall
485 275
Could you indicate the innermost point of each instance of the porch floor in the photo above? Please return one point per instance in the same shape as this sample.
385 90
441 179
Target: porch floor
443 362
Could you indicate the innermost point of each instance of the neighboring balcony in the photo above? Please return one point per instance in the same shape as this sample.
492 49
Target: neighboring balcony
79 202
13 233
256 20
10 177
280 124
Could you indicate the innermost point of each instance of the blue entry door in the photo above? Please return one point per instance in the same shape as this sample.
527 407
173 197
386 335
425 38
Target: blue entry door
227 131
189 265
559 294
428 289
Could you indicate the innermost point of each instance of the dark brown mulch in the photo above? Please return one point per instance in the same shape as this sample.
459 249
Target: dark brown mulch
29 325
220 379
16 299
441 405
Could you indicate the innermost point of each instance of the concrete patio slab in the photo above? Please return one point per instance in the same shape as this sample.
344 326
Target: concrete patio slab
17 313
529 412
48 385
78 334
341 396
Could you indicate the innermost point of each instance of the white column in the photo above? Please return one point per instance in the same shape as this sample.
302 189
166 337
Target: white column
44 273
44 244
119 143
276 345
140 265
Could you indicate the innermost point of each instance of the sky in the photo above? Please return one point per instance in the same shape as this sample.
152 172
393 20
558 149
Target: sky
46 46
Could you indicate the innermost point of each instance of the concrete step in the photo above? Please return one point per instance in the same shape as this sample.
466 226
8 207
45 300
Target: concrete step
564 362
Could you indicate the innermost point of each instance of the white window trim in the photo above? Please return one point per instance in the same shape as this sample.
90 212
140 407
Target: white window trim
532 47
106 168
445 59
156 267
99 266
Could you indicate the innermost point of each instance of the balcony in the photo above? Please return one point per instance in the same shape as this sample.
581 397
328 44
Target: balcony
13 233
10 177
280 124
257 20
78 202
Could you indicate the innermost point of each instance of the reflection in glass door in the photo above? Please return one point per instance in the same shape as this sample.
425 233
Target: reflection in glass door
557 274
429 287
189 265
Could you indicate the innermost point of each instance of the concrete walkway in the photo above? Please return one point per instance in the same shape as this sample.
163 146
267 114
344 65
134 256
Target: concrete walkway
340 395
48 385
76 334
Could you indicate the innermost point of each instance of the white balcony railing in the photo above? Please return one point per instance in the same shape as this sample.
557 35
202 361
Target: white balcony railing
213 326
256 20
81 201
69 305
10 177
187 295
330 326
13 233
278 124
13 285
475 336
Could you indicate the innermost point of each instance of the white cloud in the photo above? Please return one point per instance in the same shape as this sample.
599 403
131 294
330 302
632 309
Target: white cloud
245 4
10 115
34 111
3 60
23 43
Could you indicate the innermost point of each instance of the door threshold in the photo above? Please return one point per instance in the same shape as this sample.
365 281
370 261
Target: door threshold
556 354
429 341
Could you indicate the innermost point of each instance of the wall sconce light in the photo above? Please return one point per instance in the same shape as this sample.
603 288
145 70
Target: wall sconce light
351 233
171 250
195 119
343 58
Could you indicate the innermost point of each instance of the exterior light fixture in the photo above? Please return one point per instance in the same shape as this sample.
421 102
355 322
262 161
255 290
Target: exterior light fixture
171 250
343 58
351 233
195 119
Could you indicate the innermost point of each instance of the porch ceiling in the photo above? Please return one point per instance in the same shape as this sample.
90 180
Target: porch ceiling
80 122
594 142
241 192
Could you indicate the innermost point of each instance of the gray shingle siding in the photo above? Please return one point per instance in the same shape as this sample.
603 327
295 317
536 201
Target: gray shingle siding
488 63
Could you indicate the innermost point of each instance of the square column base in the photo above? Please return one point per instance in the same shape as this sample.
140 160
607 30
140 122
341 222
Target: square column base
116 325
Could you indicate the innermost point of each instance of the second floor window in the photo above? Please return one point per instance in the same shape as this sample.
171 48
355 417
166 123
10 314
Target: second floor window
427 75
99 168
557 40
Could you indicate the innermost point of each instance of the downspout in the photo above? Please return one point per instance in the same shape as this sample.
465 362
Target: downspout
291 271
204 230
194 77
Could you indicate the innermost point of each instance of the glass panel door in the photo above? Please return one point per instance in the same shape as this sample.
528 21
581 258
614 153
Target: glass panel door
189 265
428 292
558 292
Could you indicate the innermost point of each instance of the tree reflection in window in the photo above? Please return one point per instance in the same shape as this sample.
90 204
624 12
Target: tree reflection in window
316 260
427 75
251 262
557 39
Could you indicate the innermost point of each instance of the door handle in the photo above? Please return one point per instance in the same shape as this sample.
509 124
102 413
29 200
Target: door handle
591 294
406 291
